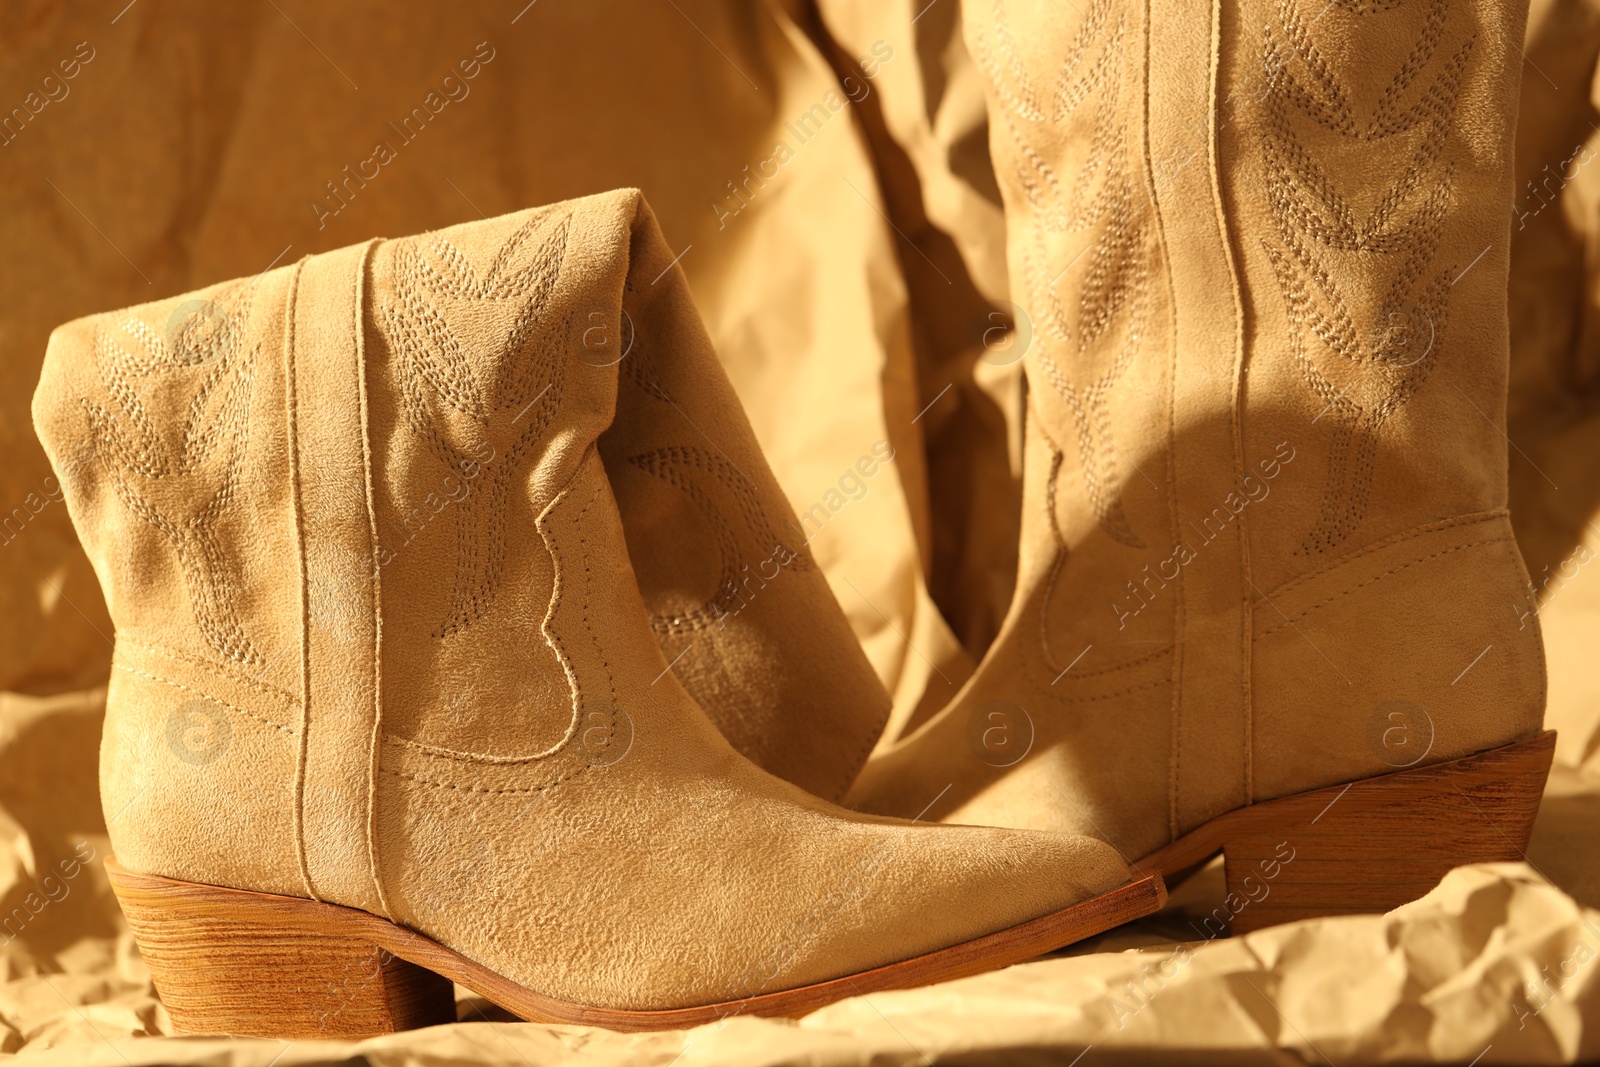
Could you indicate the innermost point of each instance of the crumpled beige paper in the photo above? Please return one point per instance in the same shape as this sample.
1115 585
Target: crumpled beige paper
844 299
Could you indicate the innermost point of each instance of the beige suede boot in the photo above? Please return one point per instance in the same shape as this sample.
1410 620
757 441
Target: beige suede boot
1263 246
386 705
738 607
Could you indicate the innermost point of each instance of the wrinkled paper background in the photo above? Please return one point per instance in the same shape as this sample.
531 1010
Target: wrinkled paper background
858 297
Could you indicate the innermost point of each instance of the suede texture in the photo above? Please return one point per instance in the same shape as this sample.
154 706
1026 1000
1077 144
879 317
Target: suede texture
1264 248
738 604
390 466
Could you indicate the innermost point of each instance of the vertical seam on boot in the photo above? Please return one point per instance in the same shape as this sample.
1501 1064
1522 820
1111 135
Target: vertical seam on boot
1179 603
557 564
374 747
588 582
1245 612
291 386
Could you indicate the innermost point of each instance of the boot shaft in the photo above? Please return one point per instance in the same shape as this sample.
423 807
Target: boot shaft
1263 247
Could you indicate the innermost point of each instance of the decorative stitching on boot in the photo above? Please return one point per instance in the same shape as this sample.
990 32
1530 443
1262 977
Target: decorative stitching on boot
558 576
1356 555
609 711
433 369
1377 578
291 731
1049 675
561 754
1059 558
1143 687
1345 306
132 447
640 371
478 788
459 756
1103 200
671 465
588 586
288 699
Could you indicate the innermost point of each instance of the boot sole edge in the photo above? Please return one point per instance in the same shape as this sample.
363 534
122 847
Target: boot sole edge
241 962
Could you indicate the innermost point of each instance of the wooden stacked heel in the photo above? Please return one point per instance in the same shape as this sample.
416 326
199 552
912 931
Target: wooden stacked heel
253 964
1370 845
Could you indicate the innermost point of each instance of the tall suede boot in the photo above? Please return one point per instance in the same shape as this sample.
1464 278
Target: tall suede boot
1262 247
387 706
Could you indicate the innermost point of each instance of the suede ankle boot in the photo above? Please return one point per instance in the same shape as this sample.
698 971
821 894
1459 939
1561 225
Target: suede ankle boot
1269 603
387 707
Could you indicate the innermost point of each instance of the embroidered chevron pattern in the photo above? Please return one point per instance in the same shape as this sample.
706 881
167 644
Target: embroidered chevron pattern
178 470
1092 317
1366 297
464 404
